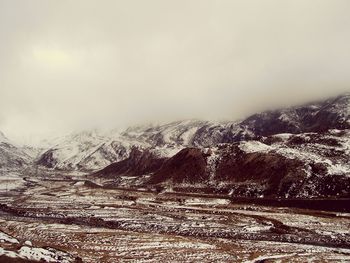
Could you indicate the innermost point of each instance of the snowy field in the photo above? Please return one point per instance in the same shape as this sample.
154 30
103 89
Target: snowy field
60 220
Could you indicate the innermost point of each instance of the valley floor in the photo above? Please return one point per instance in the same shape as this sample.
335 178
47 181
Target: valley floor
94 224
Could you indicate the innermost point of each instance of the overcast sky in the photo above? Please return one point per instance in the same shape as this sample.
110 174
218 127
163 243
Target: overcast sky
69 65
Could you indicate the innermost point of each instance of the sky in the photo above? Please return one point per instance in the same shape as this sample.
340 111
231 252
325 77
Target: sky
73 65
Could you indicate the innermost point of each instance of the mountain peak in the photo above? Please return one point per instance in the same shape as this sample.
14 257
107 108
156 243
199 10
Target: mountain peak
93 149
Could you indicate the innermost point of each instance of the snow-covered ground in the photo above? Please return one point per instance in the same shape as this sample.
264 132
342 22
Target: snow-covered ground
99 224
28 252
309 152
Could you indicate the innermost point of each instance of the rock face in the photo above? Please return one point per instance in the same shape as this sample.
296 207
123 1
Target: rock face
93 151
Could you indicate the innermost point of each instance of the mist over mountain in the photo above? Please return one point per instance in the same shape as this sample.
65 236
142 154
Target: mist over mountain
128 63
93 150
174 131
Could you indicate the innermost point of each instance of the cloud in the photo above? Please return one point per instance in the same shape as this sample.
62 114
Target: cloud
68 65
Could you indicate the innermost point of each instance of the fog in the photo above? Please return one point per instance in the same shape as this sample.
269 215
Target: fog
71 65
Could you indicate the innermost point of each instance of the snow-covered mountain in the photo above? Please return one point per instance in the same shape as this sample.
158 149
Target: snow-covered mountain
94 150
11 155
313 117
293 152
283 165
87 151
190 133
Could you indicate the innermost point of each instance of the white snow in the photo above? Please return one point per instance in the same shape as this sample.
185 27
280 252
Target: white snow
80 183
212 162
166 151
254 146
339 169
188 135
95 150
206 201
32 253
48 255
283 136
28 243
308 153
256 229
6 238
272 257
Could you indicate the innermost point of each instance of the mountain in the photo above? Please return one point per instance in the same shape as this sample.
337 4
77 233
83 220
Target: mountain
313 117
11 155
92 151
283 165
86 151
298 152
187 133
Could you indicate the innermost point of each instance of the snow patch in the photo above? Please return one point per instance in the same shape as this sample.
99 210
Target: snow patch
254 146
5 238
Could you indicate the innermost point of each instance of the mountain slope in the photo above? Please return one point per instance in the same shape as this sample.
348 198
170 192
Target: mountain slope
284 165
86 151
11 155
93 151
314 117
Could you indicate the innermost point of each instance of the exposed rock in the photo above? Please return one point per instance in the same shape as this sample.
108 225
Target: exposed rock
294 166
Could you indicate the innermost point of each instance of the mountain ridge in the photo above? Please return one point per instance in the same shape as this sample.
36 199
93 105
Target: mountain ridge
285 165
95 151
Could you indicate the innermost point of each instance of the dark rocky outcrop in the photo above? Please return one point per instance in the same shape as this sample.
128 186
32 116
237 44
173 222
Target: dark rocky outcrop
187 166
139 163
47 159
